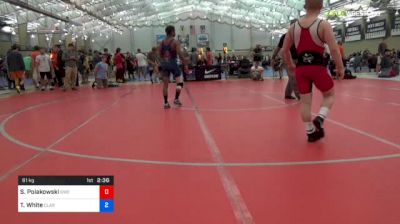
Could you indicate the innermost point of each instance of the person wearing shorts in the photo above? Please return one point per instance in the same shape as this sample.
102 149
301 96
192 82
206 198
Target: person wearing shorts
168 51
44 67
16 67
309 34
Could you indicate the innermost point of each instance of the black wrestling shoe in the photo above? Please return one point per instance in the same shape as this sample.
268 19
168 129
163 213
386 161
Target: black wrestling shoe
290 98
318 123
315 136
167 106
177 103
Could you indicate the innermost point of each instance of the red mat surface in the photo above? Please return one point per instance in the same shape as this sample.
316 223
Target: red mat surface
167 163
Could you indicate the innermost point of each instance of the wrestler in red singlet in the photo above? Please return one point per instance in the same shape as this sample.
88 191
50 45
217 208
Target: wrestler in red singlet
309 35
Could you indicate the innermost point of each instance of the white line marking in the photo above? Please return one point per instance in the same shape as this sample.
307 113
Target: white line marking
240 209
5 115
19 166
377 138
395 104
180 163
238 109
44 150
367 99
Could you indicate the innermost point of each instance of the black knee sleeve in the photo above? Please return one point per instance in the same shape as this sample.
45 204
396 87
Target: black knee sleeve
179 85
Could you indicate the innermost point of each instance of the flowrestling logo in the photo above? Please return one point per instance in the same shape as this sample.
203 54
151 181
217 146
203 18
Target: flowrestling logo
334 13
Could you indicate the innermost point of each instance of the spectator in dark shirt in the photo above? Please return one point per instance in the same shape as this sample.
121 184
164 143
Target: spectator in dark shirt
372 60
16 67
386 65
291 85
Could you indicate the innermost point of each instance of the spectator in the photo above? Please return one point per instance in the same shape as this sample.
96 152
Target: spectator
257 72
44 67
81 66
209 57
101 72
16 67
154 63
357 62
130 66
193 57
35 75
58 65
386 65
244 68
119 62
71 58
142 64
372 61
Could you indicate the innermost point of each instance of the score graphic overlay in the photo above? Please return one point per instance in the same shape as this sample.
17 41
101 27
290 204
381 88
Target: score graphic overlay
66 194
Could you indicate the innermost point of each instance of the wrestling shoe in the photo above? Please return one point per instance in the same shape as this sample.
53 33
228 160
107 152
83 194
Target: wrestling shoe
315 136
290 98
177 103
167 106
318 123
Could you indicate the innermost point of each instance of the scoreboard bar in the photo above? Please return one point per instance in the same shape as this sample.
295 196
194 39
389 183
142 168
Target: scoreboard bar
66 194
65 180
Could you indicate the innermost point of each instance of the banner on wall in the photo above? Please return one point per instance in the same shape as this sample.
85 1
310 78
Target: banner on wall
202 40
376 29
396 26
160 38
192 30
203 29
353 33
338 34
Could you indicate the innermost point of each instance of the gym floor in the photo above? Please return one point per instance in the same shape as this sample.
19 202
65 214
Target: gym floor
235 153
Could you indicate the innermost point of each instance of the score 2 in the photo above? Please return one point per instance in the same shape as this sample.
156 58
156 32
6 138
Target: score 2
106 199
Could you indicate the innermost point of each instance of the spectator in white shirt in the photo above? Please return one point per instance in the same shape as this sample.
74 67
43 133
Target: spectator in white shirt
257 71
45 69
142 64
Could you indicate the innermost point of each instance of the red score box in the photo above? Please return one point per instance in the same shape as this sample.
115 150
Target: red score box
106 192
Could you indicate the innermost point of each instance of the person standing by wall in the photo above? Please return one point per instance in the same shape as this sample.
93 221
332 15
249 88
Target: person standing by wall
16 67
71 58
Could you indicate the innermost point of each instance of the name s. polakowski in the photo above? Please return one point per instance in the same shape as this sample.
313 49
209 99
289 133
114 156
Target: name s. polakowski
40 191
